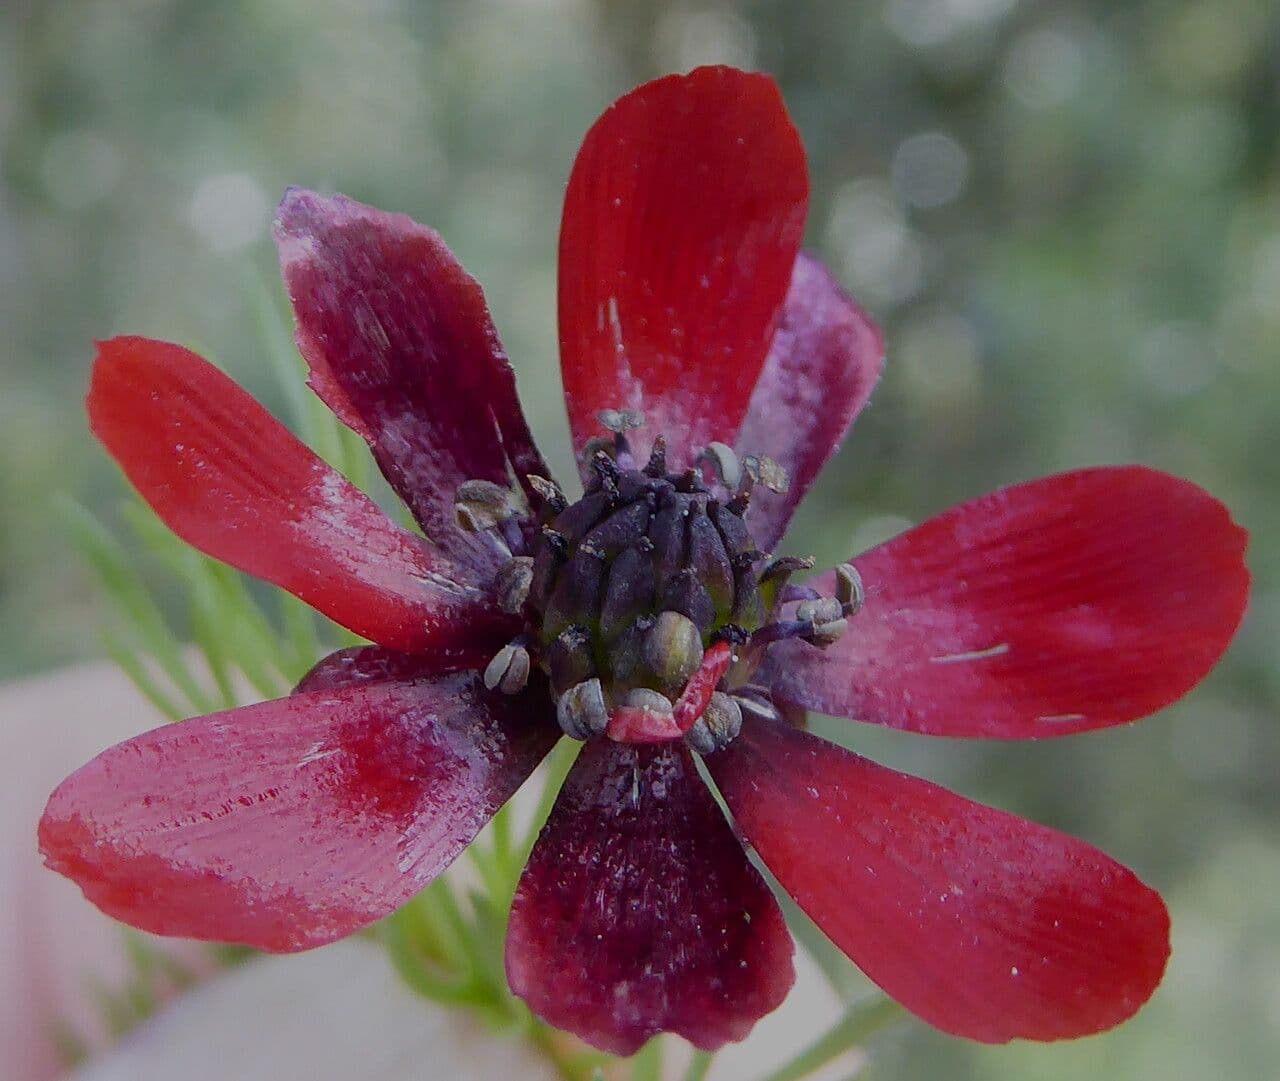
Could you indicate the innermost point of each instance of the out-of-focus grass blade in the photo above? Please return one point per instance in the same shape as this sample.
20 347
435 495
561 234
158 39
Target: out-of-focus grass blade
141 615
131 663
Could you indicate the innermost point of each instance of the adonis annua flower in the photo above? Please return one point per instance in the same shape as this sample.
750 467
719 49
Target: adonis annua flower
710 369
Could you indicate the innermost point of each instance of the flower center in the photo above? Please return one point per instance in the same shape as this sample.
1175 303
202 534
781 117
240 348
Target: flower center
647 603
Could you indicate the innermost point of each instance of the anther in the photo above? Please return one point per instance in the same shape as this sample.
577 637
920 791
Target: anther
620 420
481 505
726 463
786 567
673 649
550 492
827 619
849 589
766 472
512 583
581 711
508 672
718 726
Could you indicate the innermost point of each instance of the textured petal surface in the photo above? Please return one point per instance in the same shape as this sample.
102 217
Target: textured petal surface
682 221
291 823
402 347
231 480
986 925
373 664
639 913
822 366
1074 602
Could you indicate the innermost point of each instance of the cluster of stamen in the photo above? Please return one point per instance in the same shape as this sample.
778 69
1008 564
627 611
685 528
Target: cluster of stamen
646 602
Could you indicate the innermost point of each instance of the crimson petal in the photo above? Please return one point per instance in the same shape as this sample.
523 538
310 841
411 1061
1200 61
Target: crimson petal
682 221
1078 601
402 348
822 366
292 823
639 913
231 480
985 925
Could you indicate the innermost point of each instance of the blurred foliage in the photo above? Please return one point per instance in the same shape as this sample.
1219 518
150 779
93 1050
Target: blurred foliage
1065 214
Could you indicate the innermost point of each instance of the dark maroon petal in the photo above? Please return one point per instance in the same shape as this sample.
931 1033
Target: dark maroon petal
230 479
402 348
292 823
1074 602
639 913
373 664
986 925
682 221
824 362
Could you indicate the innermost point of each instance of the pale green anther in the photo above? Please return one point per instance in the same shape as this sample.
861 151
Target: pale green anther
508 672
673 649
620 420
581 710
827 617
481 504
849 589
512 583
718 726
767 473
725 460
648 700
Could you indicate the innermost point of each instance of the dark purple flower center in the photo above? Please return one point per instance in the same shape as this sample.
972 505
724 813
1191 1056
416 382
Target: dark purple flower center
625 590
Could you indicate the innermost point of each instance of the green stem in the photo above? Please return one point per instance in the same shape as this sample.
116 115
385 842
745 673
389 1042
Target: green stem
647 1063
862 1021
699 1065
543 1038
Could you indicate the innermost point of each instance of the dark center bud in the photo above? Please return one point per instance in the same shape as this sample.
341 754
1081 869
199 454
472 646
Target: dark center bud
630 585
647 601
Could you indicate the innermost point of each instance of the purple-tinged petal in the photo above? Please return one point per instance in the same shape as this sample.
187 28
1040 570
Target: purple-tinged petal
373 664
402 348
291 823
230 479
1073 602
639 912
984 924
822 366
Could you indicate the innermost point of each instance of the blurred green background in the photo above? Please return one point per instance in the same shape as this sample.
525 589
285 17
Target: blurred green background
1066 215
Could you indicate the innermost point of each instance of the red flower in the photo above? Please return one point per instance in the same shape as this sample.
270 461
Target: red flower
645 619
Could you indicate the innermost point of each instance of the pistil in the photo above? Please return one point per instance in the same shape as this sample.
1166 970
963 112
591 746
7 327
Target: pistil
646 602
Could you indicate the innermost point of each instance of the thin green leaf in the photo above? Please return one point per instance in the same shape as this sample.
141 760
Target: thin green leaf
862 1021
